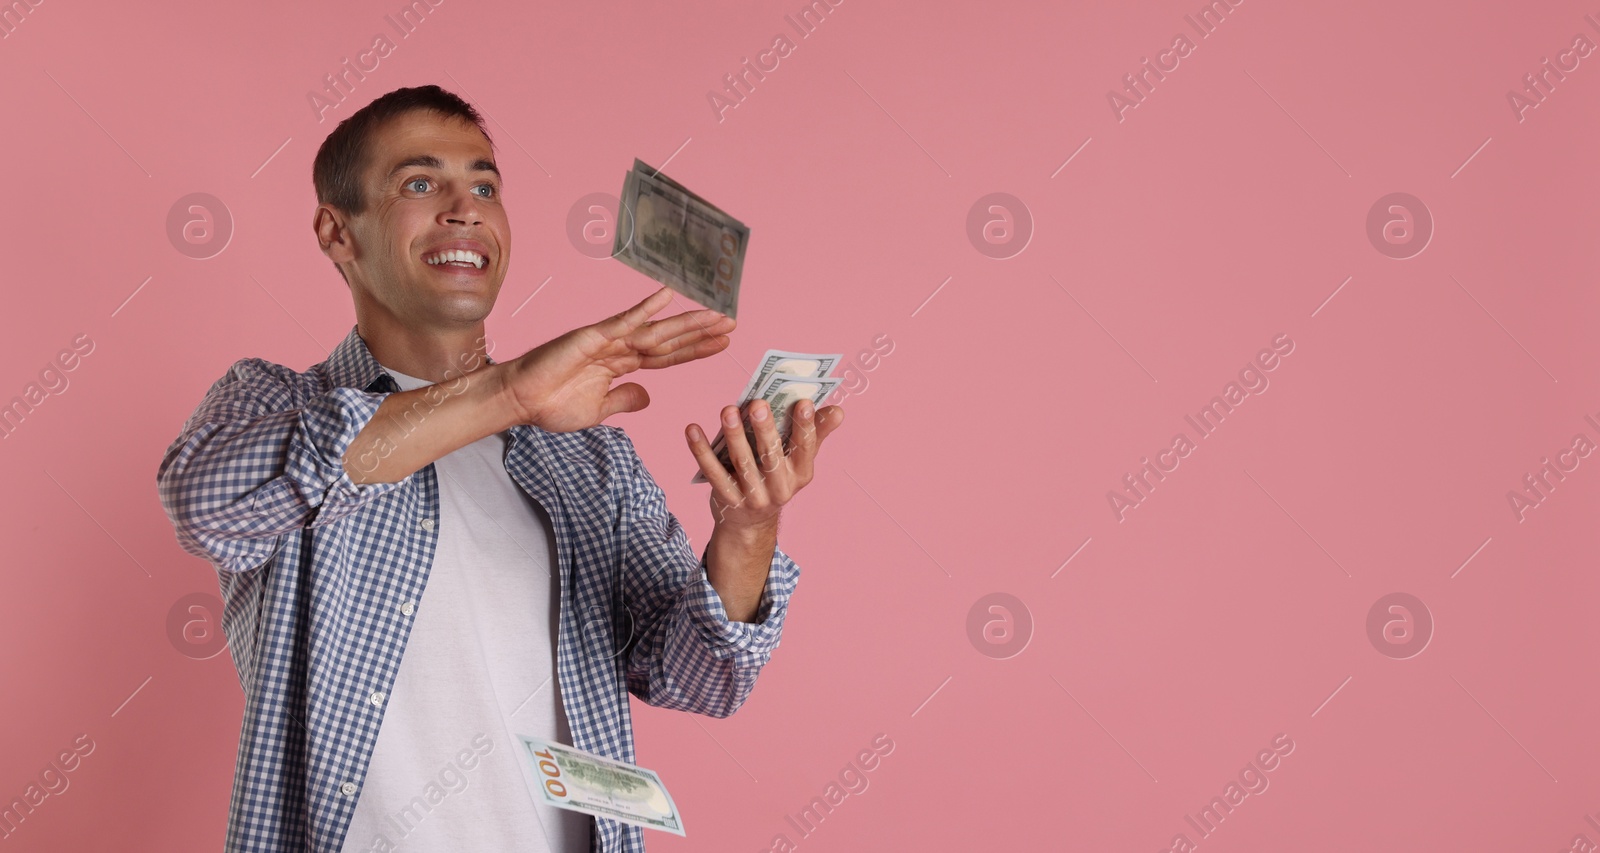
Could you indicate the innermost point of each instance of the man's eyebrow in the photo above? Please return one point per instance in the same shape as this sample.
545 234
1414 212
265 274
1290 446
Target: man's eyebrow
429 161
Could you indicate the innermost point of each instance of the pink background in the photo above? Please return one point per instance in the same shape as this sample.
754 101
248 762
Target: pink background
1171 648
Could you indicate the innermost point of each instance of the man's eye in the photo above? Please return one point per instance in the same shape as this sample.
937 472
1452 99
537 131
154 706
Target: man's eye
492 191
414 181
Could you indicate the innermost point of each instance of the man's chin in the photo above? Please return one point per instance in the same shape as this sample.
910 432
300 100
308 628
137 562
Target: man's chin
462 308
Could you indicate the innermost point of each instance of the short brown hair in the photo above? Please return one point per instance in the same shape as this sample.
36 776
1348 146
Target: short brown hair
336 172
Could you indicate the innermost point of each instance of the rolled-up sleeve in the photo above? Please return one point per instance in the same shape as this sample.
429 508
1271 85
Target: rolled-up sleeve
253 464
687 655
753 642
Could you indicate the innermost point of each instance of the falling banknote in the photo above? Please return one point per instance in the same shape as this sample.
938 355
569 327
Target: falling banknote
680 239
782 379
571 778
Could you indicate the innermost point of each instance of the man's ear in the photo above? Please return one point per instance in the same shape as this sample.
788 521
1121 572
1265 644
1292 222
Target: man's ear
333 234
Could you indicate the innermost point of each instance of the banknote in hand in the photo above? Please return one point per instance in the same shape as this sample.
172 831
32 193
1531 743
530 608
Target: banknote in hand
782 379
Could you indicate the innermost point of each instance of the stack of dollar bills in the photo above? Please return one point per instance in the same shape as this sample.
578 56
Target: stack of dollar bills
782 379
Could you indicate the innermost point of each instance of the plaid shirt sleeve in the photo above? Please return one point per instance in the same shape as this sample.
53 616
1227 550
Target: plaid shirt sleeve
254 463
688 655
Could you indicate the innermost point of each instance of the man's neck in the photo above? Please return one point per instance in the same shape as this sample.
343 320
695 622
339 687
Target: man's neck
437 355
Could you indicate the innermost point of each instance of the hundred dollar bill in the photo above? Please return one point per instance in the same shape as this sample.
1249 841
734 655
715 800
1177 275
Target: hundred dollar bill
571 778
781 391
775 361
680 239
796 363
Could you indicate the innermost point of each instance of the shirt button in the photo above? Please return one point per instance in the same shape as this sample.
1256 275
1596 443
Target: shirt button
408 608
427 524
347 788
377 698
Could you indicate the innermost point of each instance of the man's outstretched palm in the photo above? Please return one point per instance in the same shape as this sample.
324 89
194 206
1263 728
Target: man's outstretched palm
565 384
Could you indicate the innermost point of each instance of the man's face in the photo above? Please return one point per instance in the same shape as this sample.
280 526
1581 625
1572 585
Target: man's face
430 185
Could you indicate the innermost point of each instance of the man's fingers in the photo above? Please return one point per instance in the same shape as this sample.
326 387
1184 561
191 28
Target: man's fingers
742 457
620 325
654 338
829 419
768 442
721 481
660 338
627 397
803 438
808 434
708 346
711 346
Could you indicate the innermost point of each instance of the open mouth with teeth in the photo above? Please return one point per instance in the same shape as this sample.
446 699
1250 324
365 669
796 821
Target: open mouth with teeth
456 259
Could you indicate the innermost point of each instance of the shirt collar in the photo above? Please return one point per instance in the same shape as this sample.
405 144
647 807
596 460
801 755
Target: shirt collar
351 365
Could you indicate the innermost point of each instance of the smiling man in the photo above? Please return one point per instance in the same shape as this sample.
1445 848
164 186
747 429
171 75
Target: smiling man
424 552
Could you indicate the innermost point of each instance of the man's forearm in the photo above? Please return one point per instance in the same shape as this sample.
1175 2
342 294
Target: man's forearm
737 562
412 429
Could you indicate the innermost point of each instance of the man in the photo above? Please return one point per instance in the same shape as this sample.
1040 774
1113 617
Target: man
424 552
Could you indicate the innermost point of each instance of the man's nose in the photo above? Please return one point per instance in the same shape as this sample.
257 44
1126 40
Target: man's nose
464 209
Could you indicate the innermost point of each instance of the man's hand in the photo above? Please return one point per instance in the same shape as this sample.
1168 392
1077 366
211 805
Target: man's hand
747 502
766 478
565 385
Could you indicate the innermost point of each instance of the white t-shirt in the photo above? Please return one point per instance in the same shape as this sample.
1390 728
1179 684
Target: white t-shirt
446 773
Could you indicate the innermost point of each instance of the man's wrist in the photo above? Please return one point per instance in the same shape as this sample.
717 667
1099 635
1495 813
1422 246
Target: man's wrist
746 533
500 402
737 559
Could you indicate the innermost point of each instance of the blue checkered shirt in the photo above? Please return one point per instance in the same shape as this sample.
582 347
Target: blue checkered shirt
318 575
